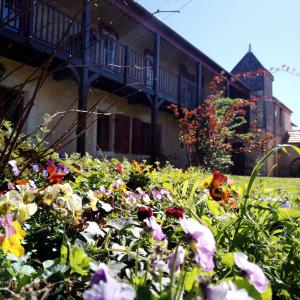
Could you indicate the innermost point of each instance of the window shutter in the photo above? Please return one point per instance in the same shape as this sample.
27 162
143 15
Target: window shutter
103 132
122 132
146 138
137 136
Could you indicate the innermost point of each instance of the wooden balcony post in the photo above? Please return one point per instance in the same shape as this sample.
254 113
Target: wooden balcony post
156 64
84 77
154 106
30 8
198 83
127 65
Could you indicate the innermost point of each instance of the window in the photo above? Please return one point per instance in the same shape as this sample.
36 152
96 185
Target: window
260 114
281 117
103 132
122 134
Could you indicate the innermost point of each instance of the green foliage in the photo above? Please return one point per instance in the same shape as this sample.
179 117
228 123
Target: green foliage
64 249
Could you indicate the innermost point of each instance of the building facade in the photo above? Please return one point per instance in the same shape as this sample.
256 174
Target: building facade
270 114
111 57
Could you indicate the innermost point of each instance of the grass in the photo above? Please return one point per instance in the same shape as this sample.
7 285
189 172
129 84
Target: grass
270 185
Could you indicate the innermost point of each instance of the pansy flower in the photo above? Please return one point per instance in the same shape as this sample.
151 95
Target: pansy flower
175 212
120 168
202 242
220 189
255 274
55 177
176 259
105 287
144 213
11 242
155 228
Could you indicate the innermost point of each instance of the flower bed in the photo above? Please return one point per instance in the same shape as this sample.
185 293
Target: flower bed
84 228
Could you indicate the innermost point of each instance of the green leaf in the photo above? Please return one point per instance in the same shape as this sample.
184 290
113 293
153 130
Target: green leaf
143 293
190 279
215 208
63 254
228 260
288 213
242 283
79 261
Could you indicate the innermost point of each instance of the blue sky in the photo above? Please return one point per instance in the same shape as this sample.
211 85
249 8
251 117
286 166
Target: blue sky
223 29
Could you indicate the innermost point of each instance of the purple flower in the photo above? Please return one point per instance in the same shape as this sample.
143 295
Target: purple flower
7 224
45 173
130 197
227 291
285 205
102 274
62 169
63 155
15 169
159 265
255 274
157 232
105 287
50 163
165 192
35 168
156 194
202 241
143 195
118 184
176 259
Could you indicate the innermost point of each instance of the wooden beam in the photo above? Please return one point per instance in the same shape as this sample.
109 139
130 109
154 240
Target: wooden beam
84 78
154 106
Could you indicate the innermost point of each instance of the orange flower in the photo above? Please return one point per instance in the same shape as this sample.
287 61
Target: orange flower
216 189
55 177
220 189
22 182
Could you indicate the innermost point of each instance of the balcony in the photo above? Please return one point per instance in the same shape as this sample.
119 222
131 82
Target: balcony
45 27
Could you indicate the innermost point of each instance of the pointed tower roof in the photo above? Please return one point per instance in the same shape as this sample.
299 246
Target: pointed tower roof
248 63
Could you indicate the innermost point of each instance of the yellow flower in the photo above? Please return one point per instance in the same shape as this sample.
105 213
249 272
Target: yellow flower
19 231
207 182
13 245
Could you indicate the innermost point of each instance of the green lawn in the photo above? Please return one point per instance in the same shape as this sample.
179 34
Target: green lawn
271 185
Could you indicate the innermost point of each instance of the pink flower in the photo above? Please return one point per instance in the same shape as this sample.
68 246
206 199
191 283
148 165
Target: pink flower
202 241
176 259
227 291
105 287
157 232
255 274
15 169
7 224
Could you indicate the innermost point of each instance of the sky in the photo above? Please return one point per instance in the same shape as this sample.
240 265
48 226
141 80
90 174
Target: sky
223 30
